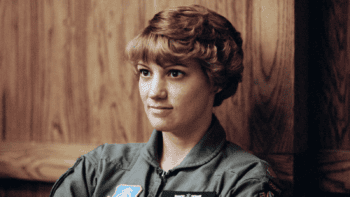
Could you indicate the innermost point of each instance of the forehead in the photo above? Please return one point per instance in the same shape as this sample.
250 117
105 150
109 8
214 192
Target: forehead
190 63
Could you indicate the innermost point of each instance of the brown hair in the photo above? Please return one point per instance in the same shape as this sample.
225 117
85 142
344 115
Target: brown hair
178 34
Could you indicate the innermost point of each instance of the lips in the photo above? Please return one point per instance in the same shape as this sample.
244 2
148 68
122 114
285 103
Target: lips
160 111
160 107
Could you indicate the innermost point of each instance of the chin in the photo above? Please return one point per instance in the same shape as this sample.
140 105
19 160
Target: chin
161 124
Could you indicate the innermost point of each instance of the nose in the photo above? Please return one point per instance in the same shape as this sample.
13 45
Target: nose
158 88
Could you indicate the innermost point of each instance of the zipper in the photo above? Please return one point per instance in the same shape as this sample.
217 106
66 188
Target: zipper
163 176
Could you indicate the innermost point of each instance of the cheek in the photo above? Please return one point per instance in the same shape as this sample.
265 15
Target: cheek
188 96
200 94
143 89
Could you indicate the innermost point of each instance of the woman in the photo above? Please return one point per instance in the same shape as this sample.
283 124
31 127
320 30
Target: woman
188 60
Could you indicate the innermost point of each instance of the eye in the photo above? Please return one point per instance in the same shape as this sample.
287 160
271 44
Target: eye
144 73
176 73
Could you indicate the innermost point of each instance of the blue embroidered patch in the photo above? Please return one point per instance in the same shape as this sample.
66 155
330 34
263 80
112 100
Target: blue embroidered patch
127 191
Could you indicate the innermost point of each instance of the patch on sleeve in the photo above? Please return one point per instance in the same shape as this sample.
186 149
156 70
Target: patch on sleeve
266 194
270 190
269 171
127 191
187 194
274 187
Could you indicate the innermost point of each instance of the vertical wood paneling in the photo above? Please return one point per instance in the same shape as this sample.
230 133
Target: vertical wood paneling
116 106
16 64
64 104
334 121
262 109
53 99
69 81
233 112
64 77
329 95
273 74
3 78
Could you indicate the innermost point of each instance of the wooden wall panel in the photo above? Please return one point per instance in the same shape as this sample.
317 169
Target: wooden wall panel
68 81
3 78
333 89
260 116
39 161
329 95
13 67
64 104
117 113
64 78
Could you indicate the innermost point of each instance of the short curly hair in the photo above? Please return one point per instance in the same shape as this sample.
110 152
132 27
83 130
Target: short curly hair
193 32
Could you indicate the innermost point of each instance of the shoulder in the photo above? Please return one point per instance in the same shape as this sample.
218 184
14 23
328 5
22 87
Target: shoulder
123 154
250 169
81 179
238 160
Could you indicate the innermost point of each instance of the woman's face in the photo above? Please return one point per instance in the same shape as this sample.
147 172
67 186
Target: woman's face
175 97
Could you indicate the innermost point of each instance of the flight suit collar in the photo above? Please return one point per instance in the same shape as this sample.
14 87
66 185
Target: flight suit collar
205 150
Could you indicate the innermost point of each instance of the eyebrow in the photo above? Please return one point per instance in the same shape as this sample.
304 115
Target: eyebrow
164 66
141 64
170 65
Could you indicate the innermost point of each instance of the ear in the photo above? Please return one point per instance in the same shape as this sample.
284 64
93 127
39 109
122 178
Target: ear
217 89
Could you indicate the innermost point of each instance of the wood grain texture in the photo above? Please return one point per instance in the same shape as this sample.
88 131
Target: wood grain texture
260 116
328 96
117 113
64 79
69 82
334 170
333 84
3 78
15 63
39 162
71 85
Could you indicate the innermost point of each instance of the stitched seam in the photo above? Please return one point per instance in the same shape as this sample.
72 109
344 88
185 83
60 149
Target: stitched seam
250 179
214 154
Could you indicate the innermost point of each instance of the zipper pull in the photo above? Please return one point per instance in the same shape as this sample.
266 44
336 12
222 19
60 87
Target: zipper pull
163 174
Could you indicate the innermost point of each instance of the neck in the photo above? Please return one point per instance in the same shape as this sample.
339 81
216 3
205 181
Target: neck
177 145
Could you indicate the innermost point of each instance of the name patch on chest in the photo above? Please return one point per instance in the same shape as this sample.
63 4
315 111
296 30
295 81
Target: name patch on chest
127 191
187 194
